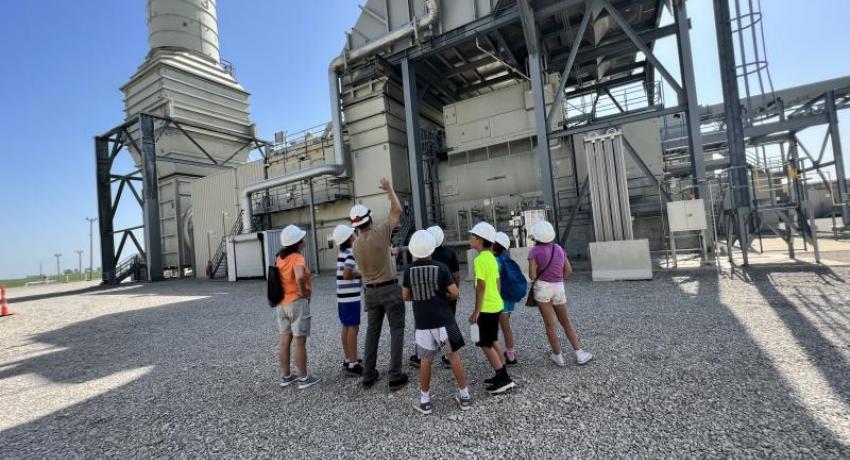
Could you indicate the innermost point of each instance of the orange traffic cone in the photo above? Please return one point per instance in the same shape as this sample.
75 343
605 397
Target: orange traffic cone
4 306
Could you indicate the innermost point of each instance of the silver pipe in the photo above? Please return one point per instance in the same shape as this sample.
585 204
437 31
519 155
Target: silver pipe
337 65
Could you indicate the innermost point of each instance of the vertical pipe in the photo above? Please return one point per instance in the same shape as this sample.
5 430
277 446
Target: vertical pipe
313 228
153 232
103 163
543 154
414 146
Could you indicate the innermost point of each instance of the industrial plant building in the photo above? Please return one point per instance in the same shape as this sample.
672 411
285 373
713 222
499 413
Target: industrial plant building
508 111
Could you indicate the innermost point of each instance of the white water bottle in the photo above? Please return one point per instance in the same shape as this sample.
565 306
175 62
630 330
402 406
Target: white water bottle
474 334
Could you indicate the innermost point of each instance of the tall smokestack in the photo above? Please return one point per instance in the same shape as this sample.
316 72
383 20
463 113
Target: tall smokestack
182 78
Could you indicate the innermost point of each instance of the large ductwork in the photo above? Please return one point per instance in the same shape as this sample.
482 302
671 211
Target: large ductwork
339 167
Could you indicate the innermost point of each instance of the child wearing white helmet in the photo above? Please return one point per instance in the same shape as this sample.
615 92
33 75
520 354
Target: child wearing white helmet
488 305
548 266
293 313
447 257
348 289
502 251
430 286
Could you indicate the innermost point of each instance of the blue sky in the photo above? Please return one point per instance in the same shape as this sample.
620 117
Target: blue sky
64 62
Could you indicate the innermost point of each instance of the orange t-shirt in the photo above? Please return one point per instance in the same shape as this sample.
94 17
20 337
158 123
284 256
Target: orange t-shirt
291 291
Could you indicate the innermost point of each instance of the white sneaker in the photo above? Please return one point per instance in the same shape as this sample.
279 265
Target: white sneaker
558 359
583 357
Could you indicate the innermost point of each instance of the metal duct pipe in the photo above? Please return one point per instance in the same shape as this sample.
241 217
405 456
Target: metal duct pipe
336 66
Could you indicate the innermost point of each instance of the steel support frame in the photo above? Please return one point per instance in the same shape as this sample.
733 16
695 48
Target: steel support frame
535 65
105 155
414 147
838 156
734 124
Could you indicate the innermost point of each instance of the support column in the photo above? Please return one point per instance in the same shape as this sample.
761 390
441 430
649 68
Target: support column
414 146
838 155
543 154
103 163
686 63
153 231
734 123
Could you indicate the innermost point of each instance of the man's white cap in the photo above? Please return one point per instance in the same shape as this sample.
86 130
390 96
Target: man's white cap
484 231
543 232
438 234
342 233
422 244
359 215
503 240
291 235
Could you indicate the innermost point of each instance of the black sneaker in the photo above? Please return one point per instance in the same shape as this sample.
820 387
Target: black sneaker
510 362
423 408
446 363
463 404
415 361
345 363
357 369
502 384
491 380
369 382
398 382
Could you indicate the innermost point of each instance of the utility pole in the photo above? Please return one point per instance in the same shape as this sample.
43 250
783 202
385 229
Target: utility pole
80 263
58 273
91 247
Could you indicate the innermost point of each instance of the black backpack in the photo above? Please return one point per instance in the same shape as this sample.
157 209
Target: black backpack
274 290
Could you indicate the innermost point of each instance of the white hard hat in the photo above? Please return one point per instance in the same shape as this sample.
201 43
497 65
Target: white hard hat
503 240
291 235
359 215
422 244
543 232
438 234
342 233
484 231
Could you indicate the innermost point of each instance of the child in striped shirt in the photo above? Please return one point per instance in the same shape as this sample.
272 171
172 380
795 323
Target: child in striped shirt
348 287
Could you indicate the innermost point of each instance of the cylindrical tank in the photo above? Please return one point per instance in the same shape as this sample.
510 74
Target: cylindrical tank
187 24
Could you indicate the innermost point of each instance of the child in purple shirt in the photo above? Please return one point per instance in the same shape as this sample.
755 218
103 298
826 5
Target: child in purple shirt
548 266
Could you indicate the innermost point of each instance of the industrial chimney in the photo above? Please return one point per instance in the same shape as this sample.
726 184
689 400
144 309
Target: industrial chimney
183 79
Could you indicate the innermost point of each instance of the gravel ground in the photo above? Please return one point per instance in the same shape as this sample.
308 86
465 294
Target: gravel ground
689 365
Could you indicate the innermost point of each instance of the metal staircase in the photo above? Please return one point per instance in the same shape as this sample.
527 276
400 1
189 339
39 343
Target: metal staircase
216 268
131 266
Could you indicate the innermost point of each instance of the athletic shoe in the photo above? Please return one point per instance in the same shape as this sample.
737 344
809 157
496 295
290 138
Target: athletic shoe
423 408
369 382
415 361
398 382
502 384
583 357
558 359
307 382
463 404
446 363
510 362
345 363
357 369
286 381
491 379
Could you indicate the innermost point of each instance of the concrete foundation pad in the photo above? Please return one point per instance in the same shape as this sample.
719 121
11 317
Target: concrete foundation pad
621 260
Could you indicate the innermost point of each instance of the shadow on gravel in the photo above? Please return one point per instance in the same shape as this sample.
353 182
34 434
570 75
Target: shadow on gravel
51 295
675 375
790 307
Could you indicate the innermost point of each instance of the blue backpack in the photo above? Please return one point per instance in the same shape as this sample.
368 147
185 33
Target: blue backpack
513 283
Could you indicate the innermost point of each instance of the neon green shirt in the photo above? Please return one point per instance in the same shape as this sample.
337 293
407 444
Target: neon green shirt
487 269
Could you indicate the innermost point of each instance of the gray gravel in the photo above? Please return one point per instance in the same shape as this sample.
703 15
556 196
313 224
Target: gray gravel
690 364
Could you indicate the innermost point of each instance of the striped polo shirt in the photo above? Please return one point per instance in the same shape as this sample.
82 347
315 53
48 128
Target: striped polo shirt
346 290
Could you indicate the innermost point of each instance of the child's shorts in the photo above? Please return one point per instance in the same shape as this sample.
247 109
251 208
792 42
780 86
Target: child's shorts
430 342
349 313
509 307
553 293
488 329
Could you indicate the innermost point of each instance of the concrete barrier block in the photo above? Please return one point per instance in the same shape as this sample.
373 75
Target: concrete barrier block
621 260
